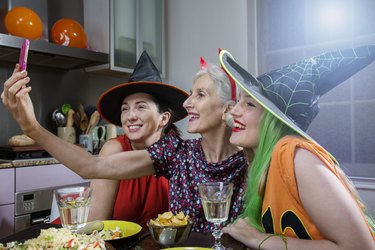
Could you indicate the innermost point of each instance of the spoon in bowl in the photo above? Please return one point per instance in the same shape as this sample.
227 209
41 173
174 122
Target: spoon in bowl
90 227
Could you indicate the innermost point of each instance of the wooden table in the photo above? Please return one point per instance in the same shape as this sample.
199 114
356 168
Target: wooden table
143 241
195 240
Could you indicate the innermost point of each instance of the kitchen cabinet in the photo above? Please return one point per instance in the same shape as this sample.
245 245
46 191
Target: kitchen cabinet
6 220
26 194
45 176
46 54
117 31
7 187
42 52
134 26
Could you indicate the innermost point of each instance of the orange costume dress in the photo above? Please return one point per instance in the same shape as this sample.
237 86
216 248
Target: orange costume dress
139 200
282 210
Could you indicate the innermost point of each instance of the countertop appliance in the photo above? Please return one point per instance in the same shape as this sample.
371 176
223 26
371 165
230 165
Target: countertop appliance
32 207
23 152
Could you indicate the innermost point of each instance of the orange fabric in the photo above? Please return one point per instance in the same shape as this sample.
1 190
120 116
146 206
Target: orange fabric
139 200
282 211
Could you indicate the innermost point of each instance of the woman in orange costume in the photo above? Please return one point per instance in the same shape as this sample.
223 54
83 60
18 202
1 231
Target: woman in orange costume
298 191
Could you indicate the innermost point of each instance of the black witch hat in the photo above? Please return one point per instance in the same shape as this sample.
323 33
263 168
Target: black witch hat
144 79
292 92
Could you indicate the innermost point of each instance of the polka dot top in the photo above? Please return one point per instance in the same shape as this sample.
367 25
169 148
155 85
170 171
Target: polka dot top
184 164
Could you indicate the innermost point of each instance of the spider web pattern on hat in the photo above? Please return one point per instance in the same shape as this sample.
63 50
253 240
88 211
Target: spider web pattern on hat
295 89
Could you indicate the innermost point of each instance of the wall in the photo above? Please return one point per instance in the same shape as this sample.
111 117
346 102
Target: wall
197 28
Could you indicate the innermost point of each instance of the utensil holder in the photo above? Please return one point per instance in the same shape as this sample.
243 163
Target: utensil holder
67 134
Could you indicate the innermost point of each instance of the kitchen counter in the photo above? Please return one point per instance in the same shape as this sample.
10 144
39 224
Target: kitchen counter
6 165
27 162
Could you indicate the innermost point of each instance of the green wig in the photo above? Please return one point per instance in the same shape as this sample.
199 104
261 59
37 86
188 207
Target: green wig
272 130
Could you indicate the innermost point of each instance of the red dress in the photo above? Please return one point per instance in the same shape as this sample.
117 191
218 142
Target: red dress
139 200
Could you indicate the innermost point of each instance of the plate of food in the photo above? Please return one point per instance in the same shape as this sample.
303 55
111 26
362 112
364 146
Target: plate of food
59 238
116 231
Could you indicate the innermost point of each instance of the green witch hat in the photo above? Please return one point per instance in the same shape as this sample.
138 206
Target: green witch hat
292 92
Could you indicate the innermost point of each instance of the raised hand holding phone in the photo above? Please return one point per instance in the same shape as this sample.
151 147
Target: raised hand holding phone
23 55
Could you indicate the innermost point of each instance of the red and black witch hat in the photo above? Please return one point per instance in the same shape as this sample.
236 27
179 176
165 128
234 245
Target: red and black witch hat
144 79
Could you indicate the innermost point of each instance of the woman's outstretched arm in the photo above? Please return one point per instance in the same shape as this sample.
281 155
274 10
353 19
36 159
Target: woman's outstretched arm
16 98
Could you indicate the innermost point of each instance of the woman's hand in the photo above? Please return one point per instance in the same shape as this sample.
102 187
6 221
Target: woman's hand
243 232
15 97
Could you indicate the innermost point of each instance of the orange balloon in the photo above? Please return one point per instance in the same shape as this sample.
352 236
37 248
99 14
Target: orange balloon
69 32
23 22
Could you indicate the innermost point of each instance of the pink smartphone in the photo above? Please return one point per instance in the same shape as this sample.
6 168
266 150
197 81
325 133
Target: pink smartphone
23 55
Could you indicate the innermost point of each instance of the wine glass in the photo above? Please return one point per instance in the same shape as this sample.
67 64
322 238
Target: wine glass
216 198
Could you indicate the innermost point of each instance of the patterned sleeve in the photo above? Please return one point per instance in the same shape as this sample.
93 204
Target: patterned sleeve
164 153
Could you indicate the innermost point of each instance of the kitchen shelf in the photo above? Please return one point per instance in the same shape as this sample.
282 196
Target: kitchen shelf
46 54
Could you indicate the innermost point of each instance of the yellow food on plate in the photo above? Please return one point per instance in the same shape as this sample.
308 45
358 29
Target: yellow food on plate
117 230
109 234
169 219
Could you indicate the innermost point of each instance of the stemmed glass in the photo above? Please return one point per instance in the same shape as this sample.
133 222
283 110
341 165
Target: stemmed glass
216 198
